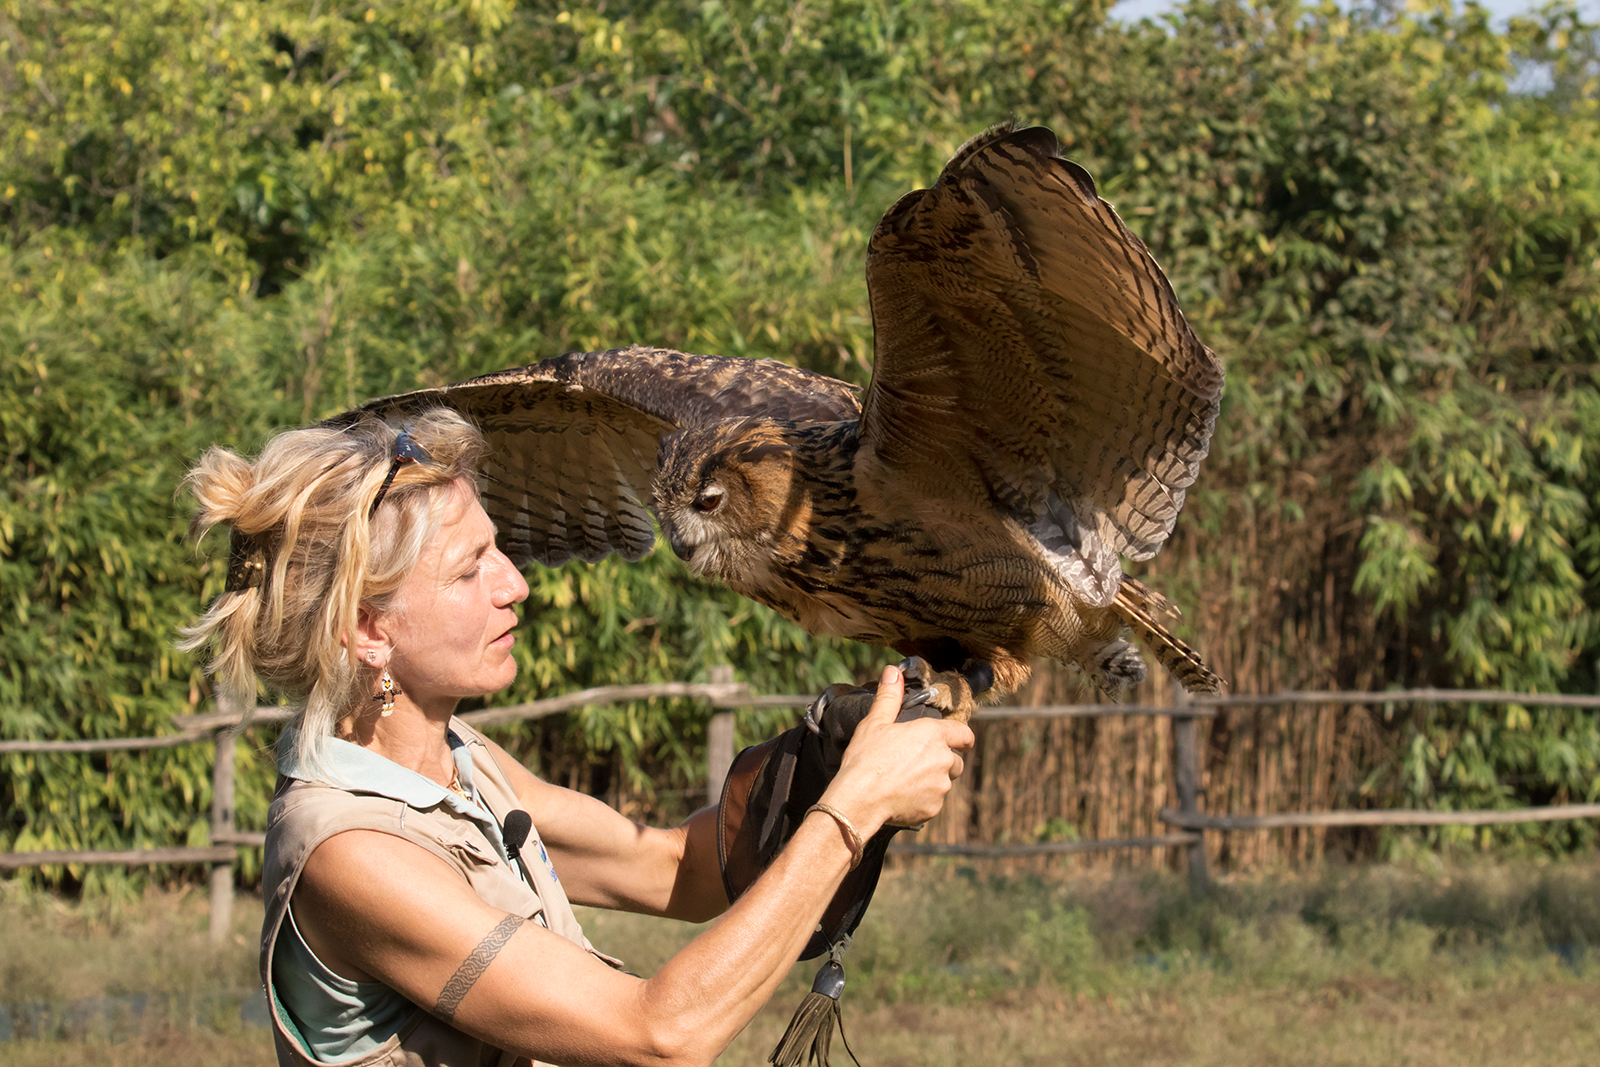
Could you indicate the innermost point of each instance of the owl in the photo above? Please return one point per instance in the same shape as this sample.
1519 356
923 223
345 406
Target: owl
1038 408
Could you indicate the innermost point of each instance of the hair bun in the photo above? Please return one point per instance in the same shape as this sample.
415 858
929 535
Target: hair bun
220 482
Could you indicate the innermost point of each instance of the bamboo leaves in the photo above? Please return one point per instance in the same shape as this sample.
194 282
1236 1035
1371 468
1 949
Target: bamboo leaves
220 219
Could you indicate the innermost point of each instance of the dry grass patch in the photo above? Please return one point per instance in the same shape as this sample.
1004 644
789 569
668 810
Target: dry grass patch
1485 964
1554 1026
1551 1025
168 1048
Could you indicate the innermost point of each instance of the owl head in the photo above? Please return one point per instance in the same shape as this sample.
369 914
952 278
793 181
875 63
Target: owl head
726 496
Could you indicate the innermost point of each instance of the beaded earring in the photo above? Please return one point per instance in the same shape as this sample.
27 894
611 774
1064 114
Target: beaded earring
390 691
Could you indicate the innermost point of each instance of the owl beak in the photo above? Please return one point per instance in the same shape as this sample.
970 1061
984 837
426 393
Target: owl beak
680 548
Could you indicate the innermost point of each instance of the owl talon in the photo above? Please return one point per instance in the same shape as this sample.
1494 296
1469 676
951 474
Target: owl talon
1117 667
914 669
814 713
979 675
947 692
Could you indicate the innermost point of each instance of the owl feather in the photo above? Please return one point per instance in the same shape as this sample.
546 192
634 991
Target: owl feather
1038 408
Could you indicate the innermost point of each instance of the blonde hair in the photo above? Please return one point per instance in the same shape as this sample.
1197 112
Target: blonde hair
299 517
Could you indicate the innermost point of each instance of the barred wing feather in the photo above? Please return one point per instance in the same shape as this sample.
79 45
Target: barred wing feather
689 390
1031 354
567 471
573 440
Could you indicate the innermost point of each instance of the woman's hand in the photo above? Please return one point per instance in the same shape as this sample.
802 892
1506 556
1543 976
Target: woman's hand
897 773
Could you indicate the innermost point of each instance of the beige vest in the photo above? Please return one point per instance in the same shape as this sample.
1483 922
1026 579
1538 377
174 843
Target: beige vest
305 814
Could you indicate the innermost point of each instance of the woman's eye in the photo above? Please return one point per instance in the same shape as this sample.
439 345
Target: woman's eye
473 573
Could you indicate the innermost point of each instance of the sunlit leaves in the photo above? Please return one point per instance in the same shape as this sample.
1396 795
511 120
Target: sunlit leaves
1398 565
222 218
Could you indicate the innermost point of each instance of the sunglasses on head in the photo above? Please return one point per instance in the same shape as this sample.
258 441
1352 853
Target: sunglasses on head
406 450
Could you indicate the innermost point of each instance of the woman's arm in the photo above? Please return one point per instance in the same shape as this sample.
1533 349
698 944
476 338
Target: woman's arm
609 861
377 907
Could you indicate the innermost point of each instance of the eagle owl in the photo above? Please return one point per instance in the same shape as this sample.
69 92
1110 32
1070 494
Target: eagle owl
1037 409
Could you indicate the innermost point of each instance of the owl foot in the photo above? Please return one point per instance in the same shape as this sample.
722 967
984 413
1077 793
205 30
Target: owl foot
1116 667
834 715
950 693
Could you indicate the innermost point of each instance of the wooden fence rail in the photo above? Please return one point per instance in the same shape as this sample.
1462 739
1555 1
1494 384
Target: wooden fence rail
1045 848
133 857
1403 696
1194 820
723 694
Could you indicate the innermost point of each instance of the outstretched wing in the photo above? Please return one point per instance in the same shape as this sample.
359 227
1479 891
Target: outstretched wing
693 391
572 441
1030 355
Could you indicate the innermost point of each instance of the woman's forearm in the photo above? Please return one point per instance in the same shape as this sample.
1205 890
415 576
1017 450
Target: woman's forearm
673 873
706 994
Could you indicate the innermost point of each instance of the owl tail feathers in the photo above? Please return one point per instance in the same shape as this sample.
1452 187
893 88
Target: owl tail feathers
1146 612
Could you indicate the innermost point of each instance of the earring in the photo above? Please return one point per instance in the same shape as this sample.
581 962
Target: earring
390 691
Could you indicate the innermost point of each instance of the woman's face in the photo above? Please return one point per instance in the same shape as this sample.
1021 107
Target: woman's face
452 628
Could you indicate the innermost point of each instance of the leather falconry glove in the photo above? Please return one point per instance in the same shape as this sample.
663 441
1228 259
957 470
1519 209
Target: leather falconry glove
767 793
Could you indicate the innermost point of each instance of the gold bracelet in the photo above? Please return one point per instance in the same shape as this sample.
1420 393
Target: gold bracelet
851 834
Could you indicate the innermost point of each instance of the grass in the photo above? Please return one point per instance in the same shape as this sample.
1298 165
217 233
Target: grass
1483 963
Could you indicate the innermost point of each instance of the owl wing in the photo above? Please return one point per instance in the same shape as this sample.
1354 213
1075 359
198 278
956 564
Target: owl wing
572 441
1031 355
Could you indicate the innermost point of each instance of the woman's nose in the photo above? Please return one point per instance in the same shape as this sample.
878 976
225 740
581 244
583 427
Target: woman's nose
513 587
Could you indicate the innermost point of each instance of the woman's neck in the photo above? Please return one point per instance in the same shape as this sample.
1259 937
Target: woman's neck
410 737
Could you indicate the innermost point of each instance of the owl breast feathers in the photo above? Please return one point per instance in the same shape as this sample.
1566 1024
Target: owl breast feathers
1037 410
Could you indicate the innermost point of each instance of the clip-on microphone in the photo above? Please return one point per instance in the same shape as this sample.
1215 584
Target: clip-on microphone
515 831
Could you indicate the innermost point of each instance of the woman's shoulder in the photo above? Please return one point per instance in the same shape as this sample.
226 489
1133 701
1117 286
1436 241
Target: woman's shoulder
302 805
306 813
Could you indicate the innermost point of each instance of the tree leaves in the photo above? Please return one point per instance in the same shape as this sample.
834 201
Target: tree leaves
220 219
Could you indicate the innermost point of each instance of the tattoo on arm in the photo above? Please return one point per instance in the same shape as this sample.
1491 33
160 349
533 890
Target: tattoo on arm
473 966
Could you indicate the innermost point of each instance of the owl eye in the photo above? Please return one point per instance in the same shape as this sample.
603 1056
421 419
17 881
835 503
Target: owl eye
709 500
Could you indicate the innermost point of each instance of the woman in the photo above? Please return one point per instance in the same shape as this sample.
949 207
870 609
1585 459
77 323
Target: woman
364 581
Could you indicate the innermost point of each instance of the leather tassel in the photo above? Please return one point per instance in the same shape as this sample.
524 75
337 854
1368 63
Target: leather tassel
810 1032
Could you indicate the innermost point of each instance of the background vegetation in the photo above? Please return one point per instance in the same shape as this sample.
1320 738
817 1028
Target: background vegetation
218 219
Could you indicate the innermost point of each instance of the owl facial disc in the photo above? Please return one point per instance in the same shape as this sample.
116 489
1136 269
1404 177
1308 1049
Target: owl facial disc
718 493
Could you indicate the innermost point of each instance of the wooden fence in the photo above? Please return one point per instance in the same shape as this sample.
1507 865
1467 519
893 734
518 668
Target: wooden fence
724 696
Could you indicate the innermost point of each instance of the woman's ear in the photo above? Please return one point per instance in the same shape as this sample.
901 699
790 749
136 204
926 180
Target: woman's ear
372 644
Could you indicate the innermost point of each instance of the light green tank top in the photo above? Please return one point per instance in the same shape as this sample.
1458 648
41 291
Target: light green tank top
337 1019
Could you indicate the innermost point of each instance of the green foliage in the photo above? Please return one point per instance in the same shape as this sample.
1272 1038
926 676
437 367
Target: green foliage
113 375
1398 262
862 91
220 219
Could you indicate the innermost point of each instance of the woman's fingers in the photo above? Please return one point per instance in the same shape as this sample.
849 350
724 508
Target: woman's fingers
891 691
899 771
959 735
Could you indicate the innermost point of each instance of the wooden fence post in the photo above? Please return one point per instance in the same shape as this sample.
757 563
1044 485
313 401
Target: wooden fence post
719 740
222 824
1186 773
